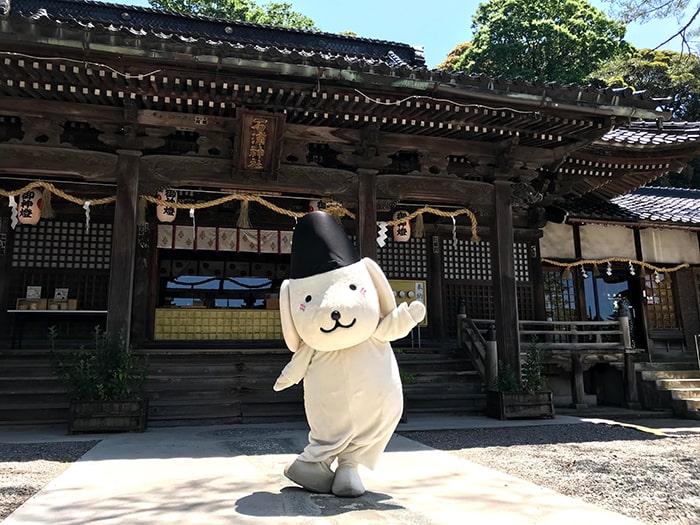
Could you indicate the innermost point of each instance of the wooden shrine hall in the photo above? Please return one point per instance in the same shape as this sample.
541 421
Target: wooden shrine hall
176 152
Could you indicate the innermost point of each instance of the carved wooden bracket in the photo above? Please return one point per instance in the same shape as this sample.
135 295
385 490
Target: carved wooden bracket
46 131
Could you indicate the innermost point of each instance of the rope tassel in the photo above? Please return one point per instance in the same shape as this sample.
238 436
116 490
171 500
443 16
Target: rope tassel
243 216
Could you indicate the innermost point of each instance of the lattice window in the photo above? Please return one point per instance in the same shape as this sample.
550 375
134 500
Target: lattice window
478 299
62 244
559 298
467 260
404 260
522 261
661 304
472 260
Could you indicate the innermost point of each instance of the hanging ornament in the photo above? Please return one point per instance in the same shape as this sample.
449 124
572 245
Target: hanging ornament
566 273
454 232
608 270
86 207
381 236
402 230
657 277
166 212
194 225
596 271
583 272
631 268
29 208
13 212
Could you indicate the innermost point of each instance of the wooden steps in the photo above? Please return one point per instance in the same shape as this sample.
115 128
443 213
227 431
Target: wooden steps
218 385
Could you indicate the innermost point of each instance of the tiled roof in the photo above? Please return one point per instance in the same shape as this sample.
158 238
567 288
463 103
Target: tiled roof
154 28
590 207
165 24
647 204
662 204
651 133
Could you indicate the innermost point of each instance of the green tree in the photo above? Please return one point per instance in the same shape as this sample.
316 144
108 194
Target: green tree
273 13
686 13
558 40
689 177
667 75
664 74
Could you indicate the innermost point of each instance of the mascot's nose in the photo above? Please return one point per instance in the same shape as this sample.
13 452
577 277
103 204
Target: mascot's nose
335 315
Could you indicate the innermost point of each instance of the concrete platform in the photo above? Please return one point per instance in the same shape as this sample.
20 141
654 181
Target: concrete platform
233 475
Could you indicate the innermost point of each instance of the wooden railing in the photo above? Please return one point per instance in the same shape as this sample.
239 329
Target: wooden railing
570 337
471 340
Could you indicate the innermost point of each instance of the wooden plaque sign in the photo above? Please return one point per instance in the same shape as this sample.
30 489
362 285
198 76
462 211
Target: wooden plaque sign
258 142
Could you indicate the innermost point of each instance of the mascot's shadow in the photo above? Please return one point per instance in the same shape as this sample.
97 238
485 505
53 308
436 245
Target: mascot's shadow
293 501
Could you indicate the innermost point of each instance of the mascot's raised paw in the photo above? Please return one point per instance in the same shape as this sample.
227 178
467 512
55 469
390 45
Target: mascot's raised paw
417 311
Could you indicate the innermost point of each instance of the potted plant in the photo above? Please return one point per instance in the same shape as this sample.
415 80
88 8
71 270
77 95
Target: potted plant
510 400
105 384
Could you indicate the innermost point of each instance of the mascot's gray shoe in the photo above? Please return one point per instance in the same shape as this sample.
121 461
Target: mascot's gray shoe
347 482
314 477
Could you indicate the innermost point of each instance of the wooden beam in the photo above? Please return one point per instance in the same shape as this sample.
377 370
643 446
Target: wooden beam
434 190
503 271
121 275
23 107
20 159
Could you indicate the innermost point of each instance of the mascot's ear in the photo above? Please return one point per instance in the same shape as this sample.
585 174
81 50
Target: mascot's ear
387 302
289 331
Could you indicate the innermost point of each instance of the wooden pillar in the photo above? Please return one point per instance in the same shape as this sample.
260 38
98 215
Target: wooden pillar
367 213
435 289
503 272
5 256
141 307
631 392
578 393
121 275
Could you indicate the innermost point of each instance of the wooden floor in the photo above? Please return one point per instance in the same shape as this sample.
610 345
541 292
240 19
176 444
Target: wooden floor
207 386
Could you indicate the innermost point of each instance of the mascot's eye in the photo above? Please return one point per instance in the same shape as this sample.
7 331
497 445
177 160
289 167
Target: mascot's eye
308 299
353 287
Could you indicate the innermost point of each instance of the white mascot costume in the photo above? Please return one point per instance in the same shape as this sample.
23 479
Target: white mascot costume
338 315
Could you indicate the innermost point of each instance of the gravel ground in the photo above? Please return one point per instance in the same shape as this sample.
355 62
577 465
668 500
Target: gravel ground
653 479
25 468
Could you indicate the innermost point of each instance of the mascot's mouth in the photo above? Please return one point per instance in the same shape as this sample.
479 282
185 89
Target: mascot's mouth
338 324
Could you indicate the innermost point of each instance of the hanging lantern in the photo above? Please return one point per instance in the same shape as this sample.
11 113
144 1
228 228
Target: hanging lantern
166 212
29 207
402 230
318 205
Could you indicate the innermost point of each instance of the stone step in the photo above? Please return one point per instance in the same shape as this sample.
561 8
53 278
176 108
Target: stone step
673 384
686 393
651 375
683 365
693 404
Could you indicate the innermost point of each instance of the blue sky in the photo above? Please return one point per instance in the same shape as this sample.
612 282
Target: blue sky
437 25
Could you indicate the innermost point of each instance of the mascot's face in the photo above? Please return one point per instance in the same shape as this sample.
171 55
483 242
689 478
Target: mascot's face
336 309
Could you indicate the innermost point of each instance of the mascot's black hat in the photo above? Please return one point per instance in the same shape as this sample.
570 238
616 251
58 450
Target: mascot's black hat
320 245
